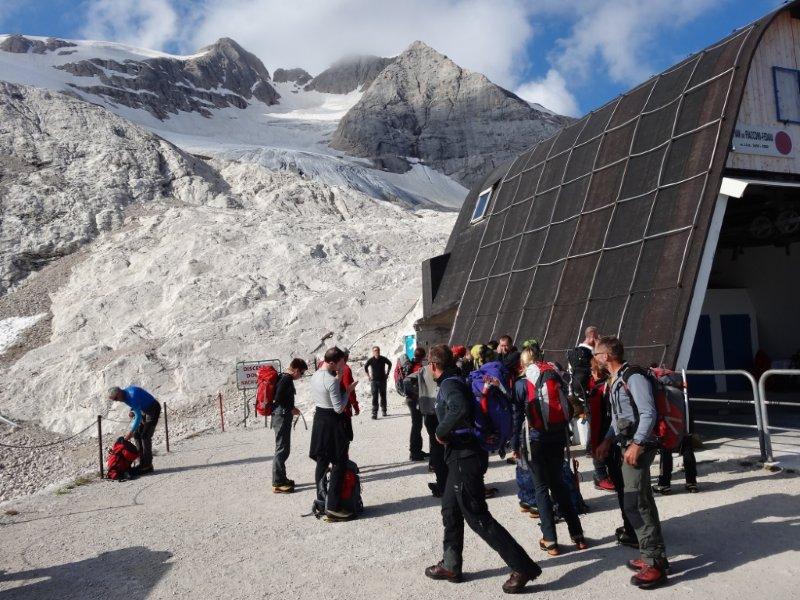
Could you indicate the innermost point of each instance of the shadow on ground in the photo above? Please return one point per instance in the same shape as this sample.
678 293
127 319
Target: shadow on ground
131 573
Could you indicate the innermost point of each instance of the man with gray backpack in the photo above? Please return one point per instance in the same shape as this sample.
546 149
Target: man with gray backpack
410 388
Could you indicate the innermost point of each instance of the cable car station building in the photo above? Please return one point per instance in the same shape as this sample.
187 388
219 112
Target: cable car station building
669 217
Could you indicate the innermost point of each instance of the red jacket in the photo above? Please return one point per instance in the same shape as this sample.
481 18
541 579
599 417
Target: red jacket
352 402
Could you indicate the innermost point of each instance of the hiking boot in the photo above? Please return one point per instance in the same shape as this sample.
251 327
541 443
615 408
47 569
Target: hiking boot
604 484
517 581
524 507
438 572
664 490
637 564
651 576
417 457
692 488
283 488
437 493
384 412
374 416
144 470
626 539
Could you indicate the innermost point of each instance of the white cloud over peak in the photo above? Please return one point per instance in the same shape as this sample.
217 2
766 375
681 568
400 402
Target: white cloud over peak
551 92
144 23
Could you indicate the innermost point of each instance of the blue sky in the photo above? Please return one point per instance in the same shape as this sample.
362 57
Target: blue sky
570 55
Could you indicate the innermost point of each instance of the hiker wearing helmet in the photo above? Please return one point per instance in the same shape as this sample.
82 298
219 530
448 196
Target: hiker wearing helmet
463 498
146 411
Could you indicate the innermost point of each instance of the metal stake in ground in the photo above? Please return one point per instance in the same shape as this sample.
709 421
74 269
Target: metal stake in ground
100 443
221 413
166 425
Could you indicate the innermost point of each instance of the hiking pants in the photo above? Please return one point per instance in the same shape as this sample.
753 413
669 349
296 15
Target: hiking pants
614 462
640 506
436 460
600 469
415 438
526 492
143 436
547 465
464 500
378 389
689 464
282 424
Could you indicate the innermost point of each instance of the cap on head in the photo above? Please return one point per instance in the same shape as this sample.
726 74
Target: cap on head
114 393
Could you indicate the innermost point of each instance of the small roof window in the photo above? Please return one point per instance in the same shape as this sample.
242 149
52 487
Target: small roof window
482 204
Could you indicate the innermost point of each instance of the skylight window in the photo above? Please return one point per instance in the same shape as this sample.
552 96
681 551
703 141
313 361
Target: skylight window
482 204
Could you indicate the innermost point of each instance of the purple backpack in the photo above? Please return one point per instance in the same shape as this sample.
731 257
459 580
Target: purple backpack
493 420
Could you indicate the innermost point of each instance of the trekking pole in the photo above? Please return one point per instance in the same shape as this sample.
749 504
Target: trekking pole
100 443
221 414
166 425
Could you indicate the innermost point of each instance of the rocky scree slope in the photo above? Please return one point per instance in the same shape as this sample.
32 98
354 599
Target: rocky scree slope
424 106
185 266
68 170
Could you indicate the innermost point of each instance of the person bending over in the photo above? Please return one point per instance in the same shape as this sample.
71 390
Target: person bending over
146 411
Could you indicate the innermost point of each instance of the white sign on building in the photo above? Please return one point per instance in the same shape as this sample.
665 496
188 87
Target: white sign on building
762 140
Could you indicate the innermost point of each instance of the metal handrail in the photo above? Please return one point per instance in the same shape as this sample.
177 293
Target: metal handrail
764 442
762 392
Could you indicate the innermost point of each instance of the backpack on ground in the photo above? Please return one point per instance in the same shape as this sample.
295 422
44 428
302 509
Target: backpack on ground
399 375
265 392
120 458
349 495
548 408
493 412
668 393
571 478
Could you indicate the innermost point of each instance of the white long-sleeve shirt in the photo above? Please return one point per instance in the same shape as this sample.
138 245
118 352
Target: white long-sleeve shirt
326 391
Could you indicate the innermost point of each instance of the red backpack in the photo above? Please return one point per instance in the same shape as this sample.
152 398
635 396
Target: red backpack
120 458
265 393
547 404
668 392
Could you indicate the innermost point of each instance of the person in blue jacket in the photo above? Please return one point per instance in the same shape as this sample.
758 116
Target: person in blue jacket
146 411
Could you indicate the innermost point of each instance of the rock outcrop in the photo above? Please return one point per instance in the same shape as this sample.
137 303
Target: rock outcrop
19 44
69 170
349 74
298 76
221 75
424 106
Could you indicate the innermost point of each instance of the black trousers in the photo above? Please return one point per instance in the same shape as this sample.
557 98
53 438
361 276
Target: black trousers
464 500
331 493
436 460
547 465
143 436
614 464
282 424
415 437
378 391
689 464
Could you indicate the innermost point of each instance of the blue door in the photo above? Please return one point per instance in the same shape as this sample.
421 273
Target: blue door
737 347
702 359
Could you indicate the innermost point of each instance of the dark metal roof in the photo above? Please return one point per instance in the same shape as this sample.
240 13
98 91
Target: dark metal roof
605 222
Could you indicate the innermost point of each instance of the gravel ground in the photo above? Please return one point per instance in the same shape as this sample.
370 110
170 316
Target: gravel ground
206 525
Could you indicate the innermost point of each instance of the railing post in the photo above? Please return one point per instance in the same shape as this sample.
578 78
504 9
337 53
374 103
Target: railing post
100 443
762 389
221 413
166 425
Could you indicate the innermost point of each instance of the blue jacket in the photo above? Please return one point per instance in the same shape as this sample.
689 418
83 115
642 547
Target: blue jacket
139 400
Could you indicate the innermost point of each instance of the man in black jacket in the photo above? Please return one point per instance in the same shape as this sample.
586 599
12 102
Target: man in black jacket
378 368
282 414
463 498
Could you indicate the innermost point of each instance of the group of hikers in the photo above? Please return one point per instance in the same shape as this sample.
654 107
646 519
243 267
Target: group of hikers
458 397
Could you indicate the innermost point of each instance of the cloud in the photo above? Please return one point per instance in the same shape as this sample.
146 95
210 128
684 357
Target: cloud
488 36
145 23
617 36
551 92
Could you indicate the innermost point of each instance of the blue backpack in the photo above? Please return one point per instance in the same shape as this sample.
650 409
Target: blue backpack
493 422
